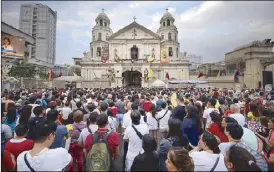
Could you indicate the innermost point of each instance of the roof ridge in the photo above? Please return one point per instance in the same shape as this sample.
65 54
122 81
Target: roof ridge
134 23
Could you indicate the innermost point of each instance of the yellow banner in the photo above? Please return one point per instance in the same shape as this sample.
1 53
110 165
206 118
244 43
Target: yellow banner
164 57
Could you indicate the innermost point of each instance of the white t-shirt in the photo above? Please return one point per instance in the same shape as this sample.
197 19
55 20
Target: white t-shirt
84 133
127 120
205 161
250 139
135 143
46 160
224 147
112 124
207 116
152 122
66 111
239 118
164 120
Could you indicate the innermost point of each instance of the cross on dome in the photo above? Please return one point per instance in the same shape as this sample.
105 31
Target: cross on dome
166 9
103 9
134 18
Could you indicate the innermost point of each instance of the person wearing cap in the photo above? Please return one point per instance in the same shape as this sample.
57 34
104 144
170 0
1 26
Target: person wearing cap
149 160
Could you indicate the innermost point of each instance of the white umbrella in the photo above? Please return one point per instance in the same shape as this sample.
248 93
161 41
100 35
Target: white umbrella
159 84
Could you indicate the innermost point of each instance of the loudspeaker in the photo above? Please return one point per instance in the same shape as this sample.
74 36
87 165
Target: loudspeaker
267 78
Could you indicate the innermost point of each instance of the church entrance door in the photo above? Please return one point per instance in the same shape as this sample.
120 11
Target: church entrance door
132 78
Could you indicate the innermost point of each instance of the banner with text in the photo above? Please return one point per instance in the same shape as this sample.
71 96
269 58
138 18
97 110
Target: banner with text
105 53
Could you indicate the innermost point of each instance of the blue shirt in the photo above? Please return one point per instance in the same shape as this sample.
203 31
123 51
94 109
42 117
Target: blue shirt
189 128
59 140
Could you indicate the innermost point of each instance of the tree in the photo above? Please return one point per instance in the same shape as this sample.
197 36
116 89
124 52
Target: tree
22 69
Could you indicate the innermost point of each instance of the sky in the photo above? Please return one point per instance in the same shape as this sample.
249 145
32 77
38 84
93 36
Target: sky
206 28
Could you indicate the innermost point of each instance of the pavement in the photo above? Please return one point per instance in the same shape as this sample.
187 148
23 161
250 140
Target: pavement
118 163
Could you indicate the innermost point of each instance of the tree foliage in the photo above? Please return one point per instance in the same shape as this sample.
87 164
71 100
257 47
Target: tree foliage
22 69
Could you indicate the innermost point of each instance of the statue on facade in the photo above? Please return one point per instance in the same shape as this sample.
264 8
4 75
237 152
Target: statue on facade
134 53
146 74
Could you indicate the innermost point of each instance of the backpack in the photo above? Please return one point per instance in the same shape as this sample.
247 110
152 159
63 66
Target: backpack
260 161
74 133
99 157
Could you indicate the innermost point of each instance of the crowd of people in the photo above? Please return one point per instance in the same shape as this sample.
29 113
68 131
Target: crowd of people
85 129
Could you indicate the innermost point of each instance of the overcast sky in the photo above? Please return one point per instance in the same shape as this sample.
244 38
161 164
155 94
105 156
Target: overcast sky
208 29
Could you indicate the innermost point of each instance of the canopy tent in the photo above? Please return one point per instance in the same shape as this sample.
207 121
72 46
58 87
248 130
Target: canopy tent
187 82
69 78
159 84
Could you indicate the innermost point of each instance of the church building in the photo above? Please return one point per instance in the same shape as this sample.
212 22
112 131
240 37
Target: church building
134 55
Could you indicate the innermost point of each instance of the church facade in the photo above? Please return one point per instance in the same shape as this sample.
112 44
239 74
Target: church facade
134 55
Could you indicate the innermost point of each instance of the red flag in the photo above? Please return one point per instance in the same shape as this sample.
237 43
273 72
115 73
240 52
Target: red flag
167 76
60 74
201 75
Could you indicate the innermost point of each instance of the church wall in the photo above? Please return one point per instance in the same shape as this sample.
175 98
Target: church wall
145 47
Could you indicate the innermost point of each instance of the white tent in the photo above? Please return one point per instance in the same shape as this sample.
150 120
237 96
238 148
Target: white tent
69 78
159 84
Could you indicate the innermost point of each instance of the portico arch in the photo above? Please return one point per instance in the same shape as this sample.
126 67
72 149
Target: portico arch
132 78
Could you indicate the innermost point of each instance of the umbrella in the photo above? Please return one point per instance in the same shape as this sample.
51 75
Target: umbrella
159 84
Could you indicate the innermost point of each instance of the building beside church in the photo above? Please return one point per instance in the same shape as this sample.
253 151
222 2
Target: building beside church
134 55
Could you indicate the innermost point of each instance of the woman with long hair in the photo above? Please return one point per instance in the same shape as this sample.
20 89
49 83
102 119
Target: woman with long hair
207 155
216 127
152 122
192 125
175 138
239 159
253 113
11 118
25 115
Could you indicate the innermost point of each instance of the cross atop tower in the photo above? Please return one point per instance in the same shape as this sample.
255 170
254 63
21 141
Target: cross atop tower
134 18
166 9
103 10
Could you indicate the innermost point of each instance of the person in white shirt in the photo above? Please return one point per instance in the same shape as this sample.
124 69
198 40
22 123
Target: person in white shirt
210 158
152 122
206 116
163 117
112 123
92 127
66 111
126 117
40 157
235 113
134 138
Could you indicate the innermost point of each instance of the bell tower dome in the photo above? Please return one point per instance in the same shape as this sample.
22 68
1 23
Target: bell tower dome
100 34
169 35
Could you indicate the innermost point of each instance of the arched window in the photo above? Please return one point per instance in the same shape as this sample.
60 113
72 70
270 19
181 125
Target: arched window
169 36
177 52
93 37
175 37
106 36
105 24
101 22
162 36
99 36
91 52
164 24
98 51
170 53
168 22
